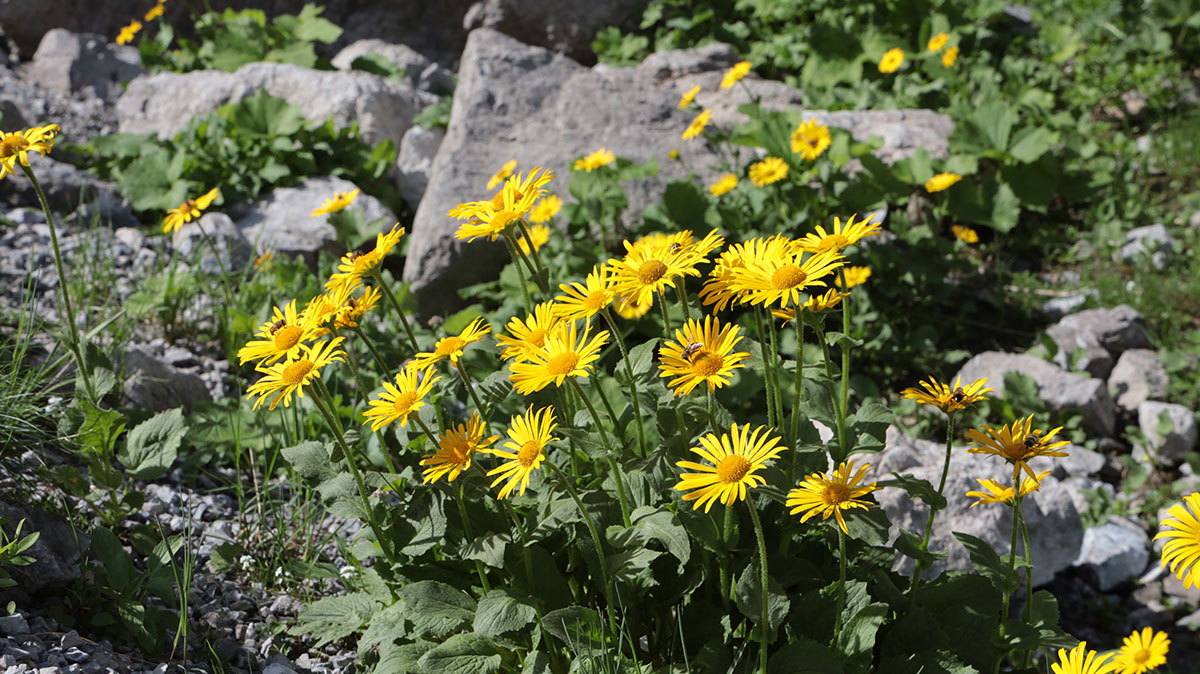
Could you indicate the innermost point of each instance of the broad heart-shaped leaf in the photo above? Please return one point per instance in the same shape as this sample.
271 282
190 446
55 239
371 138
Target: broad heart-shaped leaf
942 661
401 659
990 565
909 545
427 519
385 627
663 526
310 459
817 402
100 429
467 653
1043 631
1030 143
334 618
995 122
685 203
628 565
265 115
641 358
536 662
499 612
435 608
916 488
488 549
857 638
1006 208
748 595
575 625
804 656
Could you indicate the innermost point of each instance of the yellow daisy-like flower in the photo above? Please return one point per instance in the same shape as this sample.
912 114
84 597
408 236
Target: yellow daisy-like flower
701 352
455 448
545 209
821 495
697 126
355 265
354 308
965 234
1182 549
723 184
1079 660
938 41
565 353
1017 444
16 146
452 347
815 304
673 154
997 493
530 333
629 308
339 201
284 379
529 435
735 457
323 311
584 300
646 271
127 33
776 272
949 399
810 139
154 12
767 171
941 181
1142 652
688 96
264 261
734 74
892 60
839 237
281 337
401 400
539 234
503 174
718 288
492 217
595 160
855 276
949 57
189 210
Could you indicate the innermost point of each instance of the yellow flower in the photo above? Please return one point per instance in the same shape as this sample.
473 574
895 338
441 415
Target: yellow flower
965 234
595 160
774 271
401 400
455 448
354 308
539 234
545 209
16 146
339 201
697 126
355 265
127 33
452 347
189 210
839 237
529 436
855 276
284 379
323 311
565 353
947 398
937 42
264 260
503 174
816 303
892 60
1142 652
718 289
689 96
154 12
584 300
825 496
1076 661
767 171
1182 549
723 184
492 217
701 352
528 334
942 181
949 57
995 493
810 139
673 154
1017 444
735 457
630 309
646 271
737 72
282 337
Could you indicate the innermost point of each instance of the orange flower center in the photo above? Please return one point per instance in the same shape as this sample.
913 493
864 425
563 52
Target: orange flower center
13 144
536 337
651 271
833 242
732 469
294 374
529 453
835 493
188 206
287 337
707 363
596 301
404 402
562 364
1141 656
788 276
449 345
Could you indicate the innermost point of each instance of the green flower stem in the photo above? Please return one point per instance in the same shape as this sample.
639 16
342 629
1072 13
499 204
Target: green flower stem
776 366
681 292
762 345
76 344
633 389
362 336
412 339
609 592
525 543
466 379
516 258
612 414
335 425
662 305
762 568
841 600
533 252
845 399
712 415
726 535
933 511
462 513
1012 556
425 429
1028 584
359 389
618 474
795 428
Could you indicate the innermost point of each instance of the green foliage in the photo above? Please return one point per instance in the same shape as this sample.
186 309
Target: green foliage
12 549
435 115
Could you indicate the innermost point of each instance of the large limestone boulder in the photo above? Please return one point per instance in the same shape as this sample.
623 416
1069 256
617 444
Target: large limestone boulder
564 26
1102 334
67 62
515 101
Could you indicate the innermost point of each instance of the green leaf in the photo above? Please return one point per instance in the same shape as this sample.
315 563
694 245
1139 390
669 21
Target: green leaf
804 656
857 638
100 428
575 625
909 545
995 121
989 565
153 445
499 612
462 654
488 549
1006 208
400 659
1031 143
641 359
917 489
264 115
748 595
817 402
685 203
663 526
310 459
333 618
436 609
536 662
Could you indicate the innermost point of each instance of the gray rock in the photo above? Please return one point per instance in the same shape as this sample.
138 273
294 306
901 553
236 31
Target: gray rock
1079 462
163 103
279 665
66 187
419 71
415 161
66 62
1137 377
1061 390
233 251
14 625
156 385
1170 448
106 208
1116 329
56 552
1061 306
515 101
1113 553
1153 239
1173 587
564 26
1083 490
11 115
1094 359
218 533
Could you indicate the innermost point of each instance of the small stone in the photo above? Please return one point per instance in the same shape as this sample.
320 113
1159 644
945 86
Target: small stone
75 655
1113 553
1168 448
1153 239
71 640
14 625
1137 377
1191 622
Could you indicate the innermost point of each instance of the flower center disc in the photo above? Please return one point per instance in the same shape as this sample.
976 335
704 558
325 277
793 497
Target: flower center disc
562 364
404 402
449 345
651 271
294 374
835 494
707 363
287 337
788 276
833 242
537 337
1141 656
529 453
732 469
15 143
596 301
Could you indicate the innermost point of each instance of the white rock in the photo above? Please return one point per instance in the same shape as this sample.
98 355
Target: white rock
415 162
1153 239
1137 377
66 62
1167 448
1113 553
